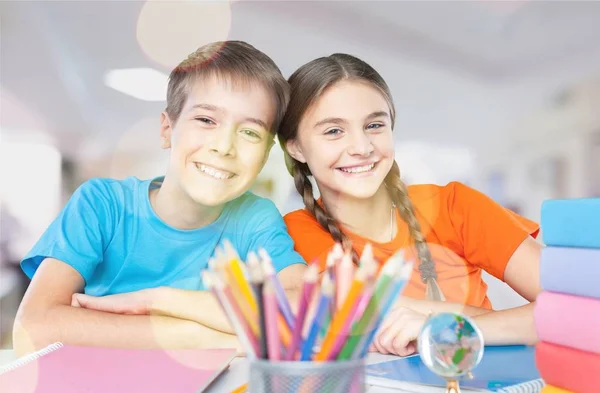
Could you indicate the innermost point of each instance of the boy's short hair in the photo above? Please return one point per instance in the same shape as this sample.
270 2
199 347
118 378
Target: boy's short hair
236 61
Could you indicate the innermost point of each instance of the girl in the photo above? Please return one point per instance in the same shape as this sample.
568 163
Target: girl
338 130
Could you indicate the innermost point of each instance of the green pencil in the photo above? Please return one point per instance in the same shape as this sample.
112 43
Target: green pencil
388 272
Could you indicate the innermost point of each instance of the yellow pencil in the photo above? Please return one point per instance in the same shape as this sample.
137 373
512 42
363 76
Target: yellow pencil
236 273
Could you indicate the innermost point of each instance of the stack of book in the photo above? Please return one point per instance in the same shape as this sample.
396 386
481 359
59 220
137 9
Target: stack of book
567 312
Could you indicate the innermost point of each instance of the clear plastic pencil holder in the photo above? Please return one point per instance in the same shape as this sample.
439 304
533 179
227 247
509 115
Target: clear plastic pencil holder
307 377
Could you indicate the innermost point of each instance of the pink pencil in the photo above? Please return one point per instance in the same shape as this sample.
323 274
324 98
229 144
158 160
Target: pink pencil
357 310
345 274
310 279
332 263
231 309
271 309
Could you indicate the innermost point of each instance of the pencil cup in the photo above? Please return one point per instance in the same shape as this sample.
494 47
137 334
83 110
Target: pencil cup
307 377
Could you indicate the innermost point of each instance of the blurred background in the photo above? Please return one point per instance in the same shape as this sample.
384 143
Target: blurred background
503 96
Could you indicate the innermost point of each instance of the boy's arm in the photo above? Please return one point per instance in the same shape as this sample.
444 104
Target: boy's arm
198 306
46 316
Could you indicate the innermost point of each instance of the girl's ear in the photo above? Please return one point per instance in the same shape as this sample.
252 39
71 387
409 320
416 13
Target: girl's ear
166 130
294 150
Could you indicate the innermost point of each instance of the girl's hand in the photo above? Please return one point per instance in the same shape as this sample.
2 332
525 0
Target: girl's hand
131 303
398 332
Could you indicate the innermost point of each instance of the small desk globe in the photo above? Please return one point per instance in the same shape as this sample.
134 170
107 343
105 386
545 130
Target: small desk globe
450 345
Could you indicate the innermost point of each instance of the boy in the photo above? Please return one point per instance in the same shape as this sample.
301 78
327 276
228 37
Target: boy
224 104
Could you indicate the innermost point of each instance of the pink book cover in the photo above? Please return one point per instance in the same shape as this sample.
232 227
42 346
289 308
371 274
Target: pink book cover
76 369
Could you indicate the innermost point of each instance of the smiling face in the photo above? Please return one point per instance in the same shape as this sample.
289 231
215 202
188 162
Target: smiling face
345 138
220 141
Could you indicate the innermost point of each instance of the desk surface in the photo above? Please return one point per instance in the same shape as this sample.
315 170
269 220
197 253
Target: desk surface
237 373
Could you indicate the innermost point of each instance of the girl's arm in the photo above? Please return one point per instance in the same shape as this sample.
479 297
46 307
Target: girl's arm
513 326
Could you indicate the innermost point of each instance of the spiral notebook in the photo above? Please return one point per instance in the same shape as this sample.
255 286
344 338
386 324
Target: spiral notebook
76 369
503 369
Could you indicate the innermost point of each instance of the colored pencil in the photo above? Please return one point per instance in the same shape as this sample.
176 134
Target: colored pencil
342 315
333 259
322 309
345 272
238 274
244 303
397 286
310 279
282 300
271 310
367 255
212 282
367 320
257 283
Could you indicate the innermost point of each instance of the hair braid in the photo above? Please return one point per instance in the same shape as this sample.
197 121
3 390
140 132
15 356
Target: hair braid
305 188
399 194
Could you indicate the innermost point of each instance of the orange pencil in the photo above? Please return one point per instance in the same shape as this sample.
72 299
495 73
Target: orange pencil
240 389
343 314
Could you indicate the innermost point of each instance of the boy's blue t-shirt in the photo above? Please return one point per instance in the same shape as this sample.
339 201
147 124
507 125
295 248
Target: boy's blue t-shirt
110 234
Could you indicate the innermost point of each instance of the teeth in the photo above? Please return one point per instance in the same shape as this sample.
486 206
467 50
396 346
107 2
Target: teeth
217 174
358 169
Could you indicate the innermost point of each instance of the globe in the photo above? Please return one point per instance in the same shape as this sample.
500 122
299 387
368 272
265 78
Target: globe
450 345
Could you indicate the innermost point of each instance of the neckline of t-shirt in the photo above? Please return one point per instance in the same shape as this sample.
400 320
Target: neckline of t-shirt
391 245
161 227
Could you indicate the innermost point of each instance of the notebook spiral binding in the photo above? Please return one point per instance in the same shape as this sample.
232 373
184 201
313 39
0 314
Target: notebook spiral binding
29 358
534 386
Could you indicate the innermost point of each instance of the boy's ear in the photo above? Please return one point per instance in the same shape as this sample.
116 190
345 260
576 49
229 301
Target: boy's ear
295 151
166 130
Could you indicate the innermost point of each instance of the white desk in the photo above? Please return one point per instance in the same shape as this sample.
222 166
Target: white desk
237 373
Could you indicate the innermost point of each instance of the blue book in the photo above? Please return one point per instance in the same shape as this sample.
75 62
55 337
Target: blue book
505 369
571 222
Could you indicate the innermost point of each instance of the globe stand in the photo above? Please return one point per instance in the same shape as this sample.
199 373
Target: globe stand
452 386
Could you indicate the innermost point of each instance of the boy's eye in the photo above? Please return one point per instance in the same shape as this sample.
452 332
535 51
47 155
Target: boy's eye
205 120
250 134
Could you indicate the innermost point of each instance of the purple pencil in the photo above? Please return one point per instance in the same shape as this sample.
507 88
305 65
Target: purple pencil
310 279
282 300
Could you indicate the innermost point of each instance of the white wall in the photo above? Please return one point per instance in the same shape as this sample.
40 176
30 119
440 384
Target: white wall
561 132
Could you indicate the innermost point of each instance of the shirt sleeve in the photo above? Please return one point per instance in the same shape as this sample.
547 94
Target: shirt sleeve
310 239
490 233
79 234
266 229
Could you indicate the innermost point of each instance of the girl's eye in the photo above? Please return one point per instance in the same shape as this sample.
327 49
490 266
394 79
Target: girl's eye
205 120
333 131
374 126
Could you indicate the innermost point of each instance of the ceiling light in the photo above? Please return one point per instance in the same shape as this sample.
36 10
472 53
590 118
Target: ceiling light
144 84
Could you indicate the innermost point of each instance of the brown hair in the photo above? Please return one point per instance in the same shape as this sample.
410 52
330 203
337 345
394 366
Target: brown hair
307 84
236 61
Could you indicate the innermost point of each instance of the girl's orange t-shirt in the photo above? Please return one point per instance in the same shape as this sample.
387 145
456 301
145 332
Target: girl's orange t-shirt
466 231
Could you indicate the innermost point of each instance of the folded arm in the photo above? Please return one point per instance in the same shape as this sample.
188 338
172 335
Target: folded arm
200 307
46 316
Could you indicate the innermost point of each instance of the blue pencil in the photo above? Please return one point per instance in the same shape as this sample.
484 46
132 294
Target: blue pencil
322 311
